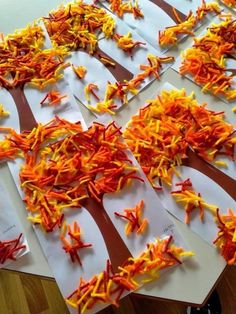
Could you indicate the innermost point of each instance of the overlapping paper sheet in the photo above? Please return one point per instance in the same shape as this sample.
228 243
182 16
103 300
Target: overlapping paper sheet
20 120
205 183
158 14
94 260
68 109
127 66
230 64
10 227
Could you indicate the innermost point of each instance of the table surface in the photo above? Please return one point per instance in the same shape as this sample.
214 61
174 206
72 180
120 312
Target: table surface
192 281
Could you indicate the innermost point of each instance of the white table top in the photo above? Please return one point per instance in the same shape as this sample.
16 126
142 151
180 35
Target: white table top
190 282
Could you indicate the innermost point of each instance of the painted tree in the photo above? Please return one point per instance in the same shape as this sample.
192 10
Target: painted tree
77 26
66 167
175 130
23 60
207 61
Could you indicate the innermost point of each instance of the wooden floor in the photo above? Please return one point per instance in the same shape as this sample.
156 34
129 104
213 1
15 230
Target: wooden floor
26 294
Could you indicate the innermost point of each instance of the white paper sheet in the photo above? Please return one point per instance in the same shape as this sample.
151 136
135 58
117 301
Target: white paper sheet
210 191
229 104
68 106
230 64
230 117
10 227
155 19
98 74
94 259
212 194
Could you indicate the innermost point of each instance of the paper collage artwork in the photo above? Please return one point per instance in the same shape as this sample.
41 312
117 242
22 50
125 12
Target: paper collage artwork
101 229
169 13
157 15
99 215
216 188
214 72
131 53
13 243
30 105
116 245
127 66
112 82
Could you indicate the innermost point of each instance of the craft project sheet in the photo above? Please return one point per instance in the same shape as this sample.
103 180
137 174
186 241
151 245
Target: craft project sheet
127 66
10 227
230 168
230 66
158 14
20 120
94 259
211 192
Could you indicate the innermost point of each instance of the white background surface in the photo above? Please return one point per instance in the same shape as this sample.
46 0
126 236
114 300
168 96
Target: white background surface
192 281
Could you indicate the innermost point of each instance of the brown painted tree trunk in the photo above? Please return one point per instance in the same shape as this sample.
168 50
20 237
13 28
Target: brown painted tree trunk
226 182
117 250
119 72
26 117
168 9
